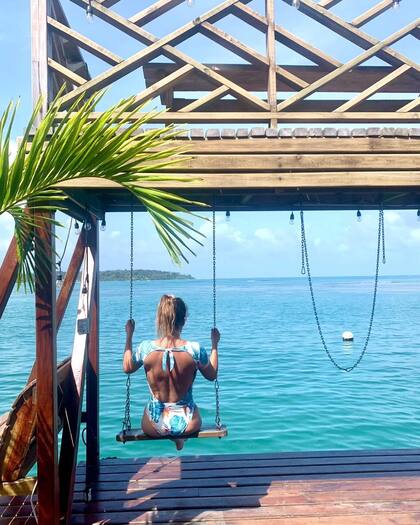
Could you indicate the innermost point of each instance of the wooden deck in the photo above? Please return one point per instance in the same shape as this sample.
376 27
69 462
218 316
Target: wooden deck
322 488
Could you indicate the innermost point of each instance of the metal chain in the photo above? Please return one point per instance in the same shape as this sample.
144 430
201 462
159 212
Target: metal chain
381 240
127 414
216 382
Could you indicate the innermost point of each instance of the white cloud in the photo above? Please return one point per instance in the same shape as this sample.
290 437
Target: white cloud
114 234
265 234
392 217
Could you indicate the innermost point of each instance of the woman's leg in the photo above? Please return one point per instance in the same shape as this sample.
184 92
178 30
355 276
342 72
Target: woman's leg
147 425
193 426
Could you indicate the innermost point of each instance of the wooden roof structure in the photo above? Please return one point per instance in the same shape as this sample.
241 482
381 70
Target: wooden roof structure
314 168
247 168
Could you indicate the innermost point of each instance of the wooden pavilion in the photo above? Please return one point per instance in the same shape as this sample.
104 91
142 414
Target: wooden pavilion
259 163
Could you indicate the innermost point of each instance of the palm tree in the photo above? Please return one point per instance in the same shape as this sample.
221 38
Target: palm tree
76 146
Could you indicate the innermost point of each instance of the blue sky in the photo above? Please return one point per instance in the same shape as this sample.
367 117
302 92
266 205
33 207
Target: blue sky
250 244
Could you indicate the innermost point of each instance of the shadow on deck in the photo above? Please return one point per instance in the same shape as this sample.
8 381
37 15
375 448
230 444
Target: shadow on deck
376 487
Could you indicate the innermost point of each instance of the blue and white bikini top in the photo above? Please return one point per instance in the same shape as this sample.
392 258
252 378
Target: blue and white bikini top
197 352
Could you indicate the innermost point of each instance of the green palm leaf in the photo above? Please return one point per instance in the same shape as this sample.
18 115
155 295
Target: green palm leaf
74 146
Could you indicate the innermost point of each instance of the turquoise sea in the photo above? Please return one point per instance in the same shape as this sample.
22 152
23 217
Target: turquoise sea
279 392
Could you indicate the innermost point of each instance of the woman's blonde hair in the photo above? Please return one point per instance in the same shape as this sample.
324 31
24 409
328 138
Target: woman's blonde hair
170 315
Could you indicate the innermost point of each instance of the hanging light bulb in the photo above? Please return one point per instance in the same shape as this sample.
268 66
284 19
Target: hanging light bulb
296 3
103 225
359 216
88 226
89 11
190 3
292 218
396 4
418 215
227 216
76 228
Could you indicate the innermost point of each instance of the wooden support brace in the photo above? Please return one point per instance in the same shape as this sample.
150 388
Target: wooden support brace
46 362
372 13
66 73
8 272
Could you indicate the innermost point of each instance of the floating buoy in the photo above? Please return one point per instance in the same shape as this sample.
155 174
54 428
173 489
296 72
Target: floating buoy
347 336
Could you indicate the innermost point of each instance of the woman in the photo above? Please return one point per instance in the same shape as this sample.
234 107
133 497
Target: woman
171 364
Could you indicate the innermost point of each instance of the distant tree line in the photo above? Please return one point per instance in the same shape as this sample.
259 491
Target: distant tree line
141 275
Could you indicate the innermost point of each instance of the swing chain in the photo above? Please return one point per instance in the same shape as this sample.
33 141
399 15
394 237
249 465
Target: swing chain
127 415
305 265
216 382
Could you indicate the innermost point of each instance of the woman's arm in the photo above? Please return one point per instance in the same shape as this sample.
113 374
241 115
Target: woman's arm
129 366
209 371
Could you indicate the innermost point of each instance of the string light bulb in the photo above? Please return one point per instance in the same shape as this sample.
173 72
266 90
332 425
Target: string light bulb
359 216
190 3
88 226
292 218
59 277
418 215
103 225
296 4
76 228
227 216
89 11
396 4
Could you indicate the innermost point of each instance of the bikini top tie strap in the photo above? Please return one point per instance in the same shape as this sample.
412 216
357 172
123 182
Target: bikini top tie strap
166 353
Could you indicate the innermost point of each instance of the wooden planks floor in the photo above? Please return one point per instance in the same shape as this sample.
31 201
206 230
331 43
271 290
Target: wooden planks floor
319 488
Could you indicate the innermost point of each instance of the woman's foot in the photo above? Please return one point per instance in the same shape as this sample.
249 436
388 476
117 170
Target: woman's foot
179 443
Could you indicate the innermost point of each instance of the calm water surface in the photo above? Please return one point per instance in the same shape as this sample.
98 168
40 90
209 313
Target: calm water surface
279 392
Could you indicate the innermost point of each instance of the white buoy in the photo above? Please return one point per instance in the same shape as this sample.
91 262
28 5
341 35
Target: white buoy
347 336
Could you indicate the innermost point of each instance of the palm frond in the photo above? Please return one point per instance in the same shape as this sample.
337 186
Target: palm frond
75 146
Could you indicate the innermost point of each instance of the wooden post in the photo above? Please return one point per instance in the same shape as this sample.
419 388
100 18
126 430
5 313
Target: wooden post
8 272
46 359
40 43
271 55
92 376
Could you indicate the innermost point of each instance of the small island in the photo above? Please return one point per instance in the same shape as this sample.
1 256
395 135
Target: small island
142 275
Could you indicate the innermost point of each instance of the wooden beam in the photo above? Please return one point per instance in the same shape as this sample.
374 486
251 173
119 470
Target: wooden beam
46 362
66 73
249 54
154 11
155 46
372 13
70 279
347 66
328 4
73 393
264 116
271 56
84 42
253 77
8 272
373 89
92 372
351 33
163 84
410 106
215 94
310 105
39 52
285 179
237 163
283 36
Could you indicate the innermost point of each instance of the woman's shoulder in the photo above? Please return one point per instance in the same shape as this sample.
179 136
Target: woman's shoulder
195 349
145 346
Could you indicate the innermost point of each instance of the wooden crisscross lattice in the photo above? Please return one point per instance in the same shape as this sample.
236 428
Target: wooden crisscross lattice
263 73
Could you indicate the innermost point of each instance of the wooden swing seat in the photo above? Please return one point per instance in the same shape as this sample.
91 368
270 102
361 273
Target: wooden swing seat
204 432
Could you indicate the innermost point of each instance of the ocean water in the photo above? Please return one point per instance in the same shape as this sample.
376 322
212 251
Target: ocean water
279 391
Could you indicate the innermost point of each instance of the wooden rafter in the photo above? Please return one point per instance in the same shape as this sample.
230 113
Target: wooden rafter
283 36
84 42
410 106
221 91
66 73
374 88
154 11
155 47
347 66
372 13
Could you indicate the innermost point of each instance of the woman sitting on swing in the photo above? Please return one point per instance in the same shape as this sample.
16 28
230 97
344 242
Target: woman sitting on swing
171 364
